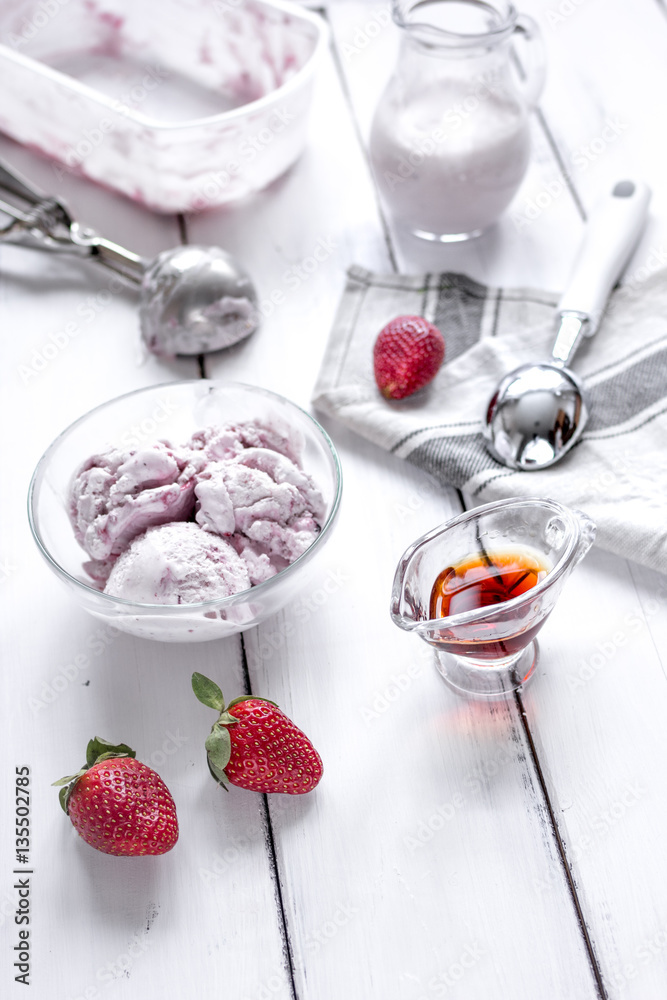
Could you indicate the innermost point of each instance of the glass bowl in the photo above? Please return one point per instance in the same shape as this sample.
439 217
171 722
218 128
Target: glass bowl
180 105
173 411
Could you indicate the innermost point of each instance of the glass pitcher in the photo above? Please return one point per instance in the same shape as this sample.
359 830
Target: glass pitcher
450 140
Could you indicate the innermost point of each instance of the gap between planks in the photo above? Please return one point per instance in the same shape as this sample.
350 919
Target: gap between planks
269 838
523 718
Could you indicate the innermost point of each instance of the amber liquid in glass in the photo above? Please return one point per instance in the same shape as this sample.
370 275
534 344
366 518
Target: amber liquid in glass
482 581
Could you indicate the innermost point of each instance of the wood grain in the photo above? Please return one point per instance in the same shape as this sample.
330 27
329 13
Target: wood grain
453 848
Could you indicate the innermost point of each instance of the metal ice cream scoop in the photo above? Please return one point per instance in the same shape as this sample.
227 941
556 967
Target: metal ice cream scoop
538 411
193 299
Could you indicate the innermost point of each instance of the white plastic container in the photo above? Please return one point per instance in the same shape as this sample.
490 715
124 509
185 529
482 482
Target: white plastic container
179 104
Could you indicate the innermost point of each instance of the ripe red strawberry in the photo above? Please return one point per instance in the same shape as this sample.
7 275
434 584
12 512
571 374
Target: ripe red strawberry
119 805
254 745
407 355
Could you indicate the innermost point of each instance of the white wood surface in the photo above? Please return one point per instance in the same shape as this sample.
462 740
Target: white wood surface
428 862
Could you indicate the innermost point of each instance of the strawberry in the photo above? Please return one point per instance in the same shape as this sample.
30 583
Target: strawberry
255 745
119 805
407 355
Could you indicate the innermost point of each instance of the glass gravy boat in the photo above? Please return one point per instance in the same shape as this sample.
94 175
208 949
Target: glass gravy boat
479 588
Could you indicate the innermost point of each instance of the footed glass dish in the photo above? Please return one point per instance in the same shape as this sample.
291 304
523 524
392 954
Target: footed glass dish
480 587
180 105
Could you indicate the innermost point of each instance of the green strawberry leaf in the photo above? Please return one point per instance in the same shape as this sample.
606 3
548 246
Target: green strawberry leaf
98 748
63 795
69 779
218 747
111 756
219 776
226 719
208 692
250 697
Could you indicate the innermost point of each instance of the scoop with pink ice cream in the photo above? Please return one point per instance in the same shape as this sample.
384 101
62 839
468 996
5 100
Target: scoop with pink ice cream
177 564
249 510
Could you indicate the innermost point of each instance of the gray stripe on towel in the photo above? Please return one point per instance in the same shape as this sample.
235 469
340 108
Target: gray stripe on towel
628 393
458 312
453 460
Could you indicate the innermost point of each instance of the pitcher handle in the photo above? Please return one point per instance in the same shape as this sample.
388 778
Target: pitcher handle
534 66
588 530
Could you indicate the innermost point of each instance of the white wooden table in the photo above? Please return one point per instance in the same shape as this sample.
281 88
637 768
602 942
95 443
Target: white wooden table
453 848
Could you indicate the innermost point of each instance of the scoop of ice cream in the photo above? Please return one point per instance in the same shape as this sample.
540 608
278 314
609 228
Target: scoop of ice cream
282 470
273 512
260 564
228 441
214 506
118 494
194 300
177 563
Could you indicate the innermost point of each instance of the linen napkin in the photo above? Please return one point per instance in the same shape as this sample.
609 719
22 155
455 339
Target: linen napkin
617 472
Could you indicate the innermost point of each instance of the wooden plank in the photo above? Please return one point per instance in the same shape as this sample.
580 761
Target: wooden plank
599 701
100 926
417 866
369 904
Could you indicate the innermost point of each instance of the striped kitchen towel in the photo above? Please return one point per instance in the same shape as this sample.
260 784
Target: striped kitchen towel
617 472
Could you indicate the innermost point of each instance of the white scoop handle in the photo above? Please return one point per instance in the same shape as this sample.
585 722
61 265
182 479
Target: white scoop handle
614 226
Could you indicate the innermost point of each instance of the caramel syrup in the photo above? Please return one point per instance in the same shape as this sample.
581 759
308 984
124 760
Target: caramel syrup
481 581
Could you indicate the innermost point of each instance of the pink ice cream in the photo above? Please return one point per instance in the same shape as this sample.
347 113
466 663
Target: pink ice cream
177 563
265 498
228 441
117 495
249 510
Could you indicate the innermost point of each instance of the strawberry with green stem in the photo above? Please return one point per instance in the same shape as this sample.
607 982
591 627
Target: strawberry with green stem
254 745
119 805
